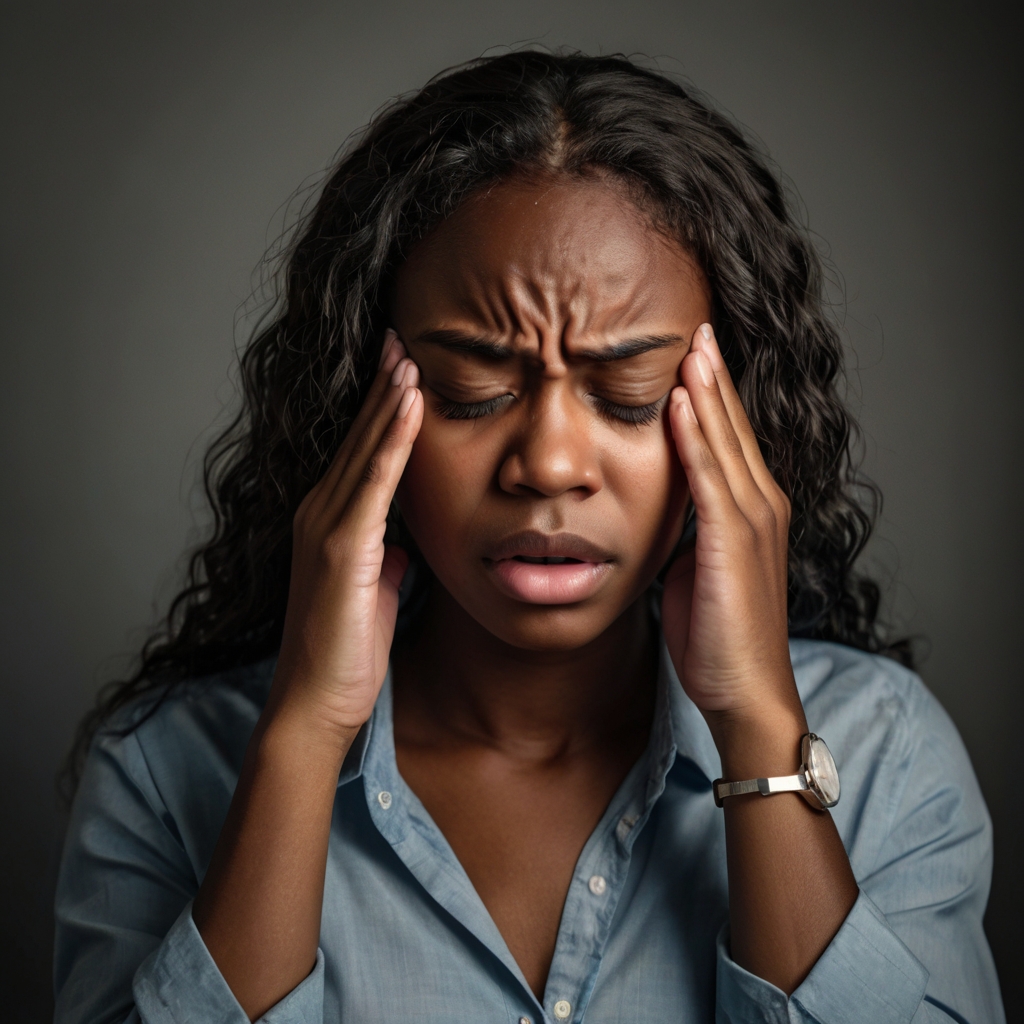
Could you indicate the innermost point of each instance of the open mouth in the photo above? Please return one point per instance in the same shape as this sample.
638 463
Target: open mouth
537 568
544 560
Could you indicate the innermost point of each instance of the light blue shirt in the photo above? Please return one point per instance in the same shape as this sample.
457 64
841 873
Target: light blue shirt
643 935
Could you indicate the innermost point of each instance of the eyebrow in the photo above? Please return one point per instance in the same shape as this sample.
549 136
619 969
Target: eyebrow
460 342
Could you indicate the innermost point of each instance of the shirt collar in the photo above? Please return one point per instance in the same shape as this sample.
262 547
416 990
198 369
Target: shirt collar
355 759
679 729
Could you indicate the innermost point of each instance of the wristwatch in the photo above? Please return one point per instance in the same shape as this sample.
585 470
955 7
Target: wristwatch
817 779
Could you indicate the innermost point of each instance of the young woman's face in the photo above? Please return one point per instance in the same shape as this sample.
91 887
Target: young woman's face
548 320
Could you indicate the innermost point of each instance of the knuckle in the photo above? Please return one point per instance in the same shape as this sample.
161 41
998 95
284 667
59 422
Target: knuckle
748 533
361 441
734 447
706 460
763 517
785 507
375 471
336 548
781 506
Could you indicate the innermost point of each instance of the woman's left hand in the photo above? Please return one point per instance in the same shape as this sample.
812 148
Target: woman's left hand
724 611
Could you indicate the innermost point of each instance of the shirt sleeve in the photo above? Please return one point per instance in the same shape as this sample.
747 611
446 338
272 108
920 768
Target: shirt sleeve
912 949
126 948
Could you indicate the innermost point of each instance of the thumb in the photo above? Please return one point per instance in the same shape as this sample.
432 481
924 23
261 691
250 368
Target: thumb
392 571
676 605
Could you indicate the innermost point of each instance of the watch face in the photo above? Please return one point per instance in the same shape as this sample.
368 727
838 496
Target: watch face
824 777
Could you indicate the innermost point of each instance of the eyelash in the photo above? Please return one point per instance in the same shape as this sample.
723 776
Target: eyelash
469 410
635 415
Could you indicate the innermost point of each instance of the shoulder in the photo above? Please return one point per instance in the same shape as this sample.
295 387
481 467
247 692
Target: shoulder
161 772
860 695
901 761
197 727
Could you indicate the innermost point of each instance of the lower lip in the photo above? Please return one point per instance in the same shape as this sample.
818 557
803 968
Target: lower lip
564 583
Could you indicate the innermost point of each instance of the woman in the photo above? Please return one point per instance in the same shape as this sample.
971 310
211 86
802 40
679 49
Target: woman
492 696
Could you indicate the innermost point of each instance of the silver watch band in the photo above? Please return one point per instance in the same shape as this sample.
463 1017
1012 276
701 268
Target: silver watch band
778 784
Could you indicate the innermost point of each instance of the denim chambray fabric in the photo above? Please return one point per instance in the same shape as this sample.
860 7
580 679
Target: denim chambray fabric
643 935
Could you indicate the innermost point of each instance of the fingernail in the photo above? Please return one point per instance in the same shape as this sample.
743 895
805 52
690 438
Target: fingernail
394 357
706 332
707 375
400 371
389 338
405 404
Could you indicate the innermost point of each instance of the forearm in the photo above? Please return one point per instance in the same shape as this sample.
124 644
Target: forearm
790 881
258 909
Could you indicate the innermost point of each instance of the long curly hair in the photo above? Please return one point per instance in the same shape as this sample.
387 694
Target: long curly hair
307 367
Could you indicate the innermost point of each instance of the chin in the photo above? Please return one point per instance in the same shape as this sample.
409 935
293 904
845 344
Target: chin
554 628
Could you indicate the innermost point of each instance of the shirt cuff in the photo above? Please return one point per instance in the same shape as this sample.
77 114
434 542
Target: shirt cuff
179 983
864 976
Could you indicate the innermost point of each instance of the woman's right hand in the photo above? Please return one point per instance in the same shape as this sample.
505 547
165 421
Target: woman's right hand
343 595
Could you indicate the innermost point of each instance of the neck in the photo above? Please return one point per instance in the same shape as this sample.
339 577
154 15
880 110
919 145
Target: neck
457 682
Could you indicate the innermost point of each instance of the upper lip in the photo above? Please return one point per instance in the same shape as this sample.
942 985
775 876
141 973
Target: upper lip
535 544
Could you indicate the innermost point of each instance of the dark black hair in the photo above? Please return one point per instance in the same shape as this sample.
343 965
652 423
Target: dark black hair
307 367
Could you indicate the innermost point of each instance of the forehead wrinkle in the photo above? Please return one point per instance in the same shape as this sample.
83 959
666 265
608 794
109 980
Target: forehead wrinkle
533 306
583 279
611 317
568 302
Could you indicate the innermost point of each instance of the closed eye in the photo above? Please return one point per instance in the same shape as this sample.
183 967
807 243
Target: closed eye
451 410
637 415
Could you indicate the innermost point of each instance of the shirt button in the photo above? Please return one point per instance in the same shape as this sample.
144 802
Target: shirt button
384 799
597 885
524 1020
562 1009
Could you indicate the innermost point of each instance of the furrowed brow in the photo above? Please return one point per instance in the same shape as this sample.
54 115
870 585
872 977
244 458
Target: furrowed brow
630 347
459 342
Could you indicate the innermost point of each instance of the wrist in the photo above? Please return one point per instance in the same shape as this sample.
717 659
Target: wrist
758 741
290 729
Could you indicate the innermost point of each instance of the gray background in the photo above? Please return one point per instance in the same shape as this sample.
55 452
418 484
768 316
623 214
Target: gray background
148 150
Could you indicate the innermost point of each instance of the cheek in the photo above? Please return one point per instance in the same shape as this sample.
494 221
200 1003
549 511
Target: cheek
444 482
650 487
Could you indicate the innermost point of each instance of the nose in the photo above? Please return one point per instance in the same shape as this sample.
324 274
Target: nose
553 452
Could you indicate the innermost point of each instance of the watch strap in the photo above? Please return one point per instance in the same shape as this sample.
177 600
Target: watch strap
766 787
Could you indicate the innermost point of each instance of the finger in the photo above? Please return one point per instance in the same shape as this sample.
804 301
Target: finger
404 377
717 429
705 341
392 352
712 495
677 604
392 571
372 496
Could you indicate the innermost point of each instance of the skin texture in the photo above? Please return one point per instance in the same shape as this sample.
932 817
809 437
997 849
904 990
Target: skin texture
543 696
